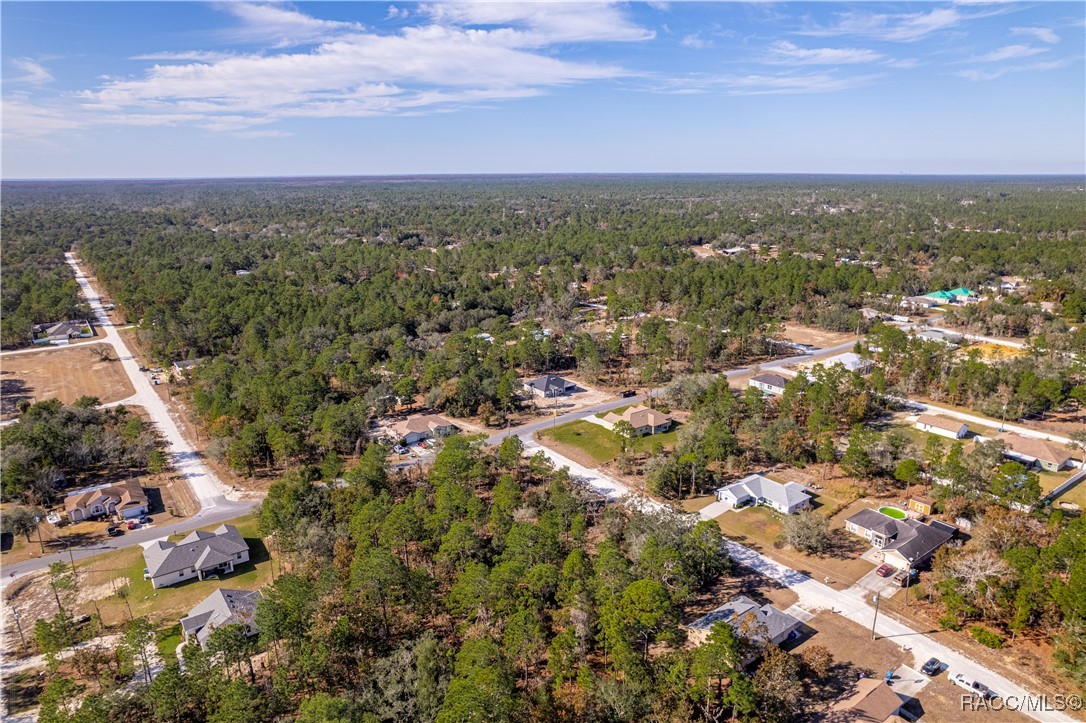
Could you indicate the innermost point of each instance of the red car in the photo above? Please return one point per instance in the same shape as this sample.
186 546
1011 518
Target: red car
132 524
886 571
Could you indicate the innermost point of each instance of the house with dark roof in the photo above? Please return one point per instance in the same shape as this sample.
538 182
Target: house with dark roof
62 331
550 385
906 543
759 623
768 383
755 489
220 608
943 426
1033 452
126 499
200 555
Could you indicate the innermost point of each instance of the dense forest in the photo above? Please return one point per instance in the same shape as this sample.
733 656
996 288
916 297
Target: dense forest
360 292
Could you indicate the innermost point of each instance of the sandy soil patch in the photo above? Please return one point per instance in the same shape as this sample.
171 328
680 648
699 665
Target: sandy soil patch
66 375
705 252
821 338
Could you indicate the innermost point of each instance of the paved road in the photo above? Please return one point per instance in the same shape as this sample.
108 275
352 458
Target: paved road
209 491
525 432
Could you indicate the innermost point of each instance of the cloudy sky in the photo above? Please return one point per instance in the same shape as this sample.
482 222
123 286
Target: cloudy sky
182 89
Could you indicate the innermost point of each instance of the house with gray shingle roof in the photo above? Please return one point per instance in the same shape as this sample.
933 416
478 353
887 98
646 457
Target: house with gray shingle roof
755 489
222 607
199 555
759 623
905 544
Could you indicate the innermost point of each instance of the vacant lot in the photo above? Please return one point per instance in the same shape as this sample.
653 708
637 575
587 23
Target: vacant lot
66 375
821 338
598 444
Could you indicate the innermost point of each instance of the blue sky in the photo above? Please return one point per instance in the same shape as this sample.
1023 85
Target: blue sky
186 89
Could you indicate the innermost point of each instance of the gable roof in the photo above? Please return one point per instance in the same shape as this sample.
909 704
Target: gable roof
747 618
550 382
1040 449
222 607
940 422
199 547
787 495
773 380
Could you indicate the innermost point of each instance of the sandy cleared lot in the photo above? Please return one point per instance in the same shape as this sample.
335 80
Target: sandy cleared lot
821 338
66 375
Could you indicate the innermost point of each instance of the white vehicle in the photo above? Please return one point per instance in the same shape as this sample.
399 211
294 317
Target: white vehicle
971 685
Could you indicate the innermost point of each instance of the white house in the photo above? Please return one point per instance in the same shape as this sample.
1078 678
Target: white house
199 555
762 623
943 426
850 360
768 383
550 385
220 608
906 543
787 498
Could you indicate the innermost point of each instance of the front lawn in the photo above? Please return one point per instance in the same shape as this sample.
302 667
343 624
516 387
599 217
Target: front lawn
601 444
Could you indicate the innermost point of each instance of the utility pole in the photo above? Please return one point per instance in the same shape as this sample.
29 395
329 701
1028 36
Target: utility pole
876 618
19 626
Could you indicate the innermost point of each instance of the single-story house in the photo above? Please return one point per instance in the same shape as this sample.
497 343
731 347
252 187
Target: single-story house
869 314
943 337
959 295
943 426
199 555
920 505
126 499
423 426
873 702
641 418
62 331
904 543
851 361
550 385
918 302
220 608
1033 452
183 365
755 622
754 489
768 383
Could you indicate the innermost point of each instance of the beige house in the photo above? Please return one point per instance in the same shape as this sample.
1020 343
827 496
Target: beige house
943 426
423 426
1033 452
873 702
126 499
641 418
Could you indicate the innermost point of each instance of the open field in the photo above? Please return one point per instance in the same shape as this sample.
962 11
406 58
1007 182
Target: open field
66 375
599 444
800 334
995 352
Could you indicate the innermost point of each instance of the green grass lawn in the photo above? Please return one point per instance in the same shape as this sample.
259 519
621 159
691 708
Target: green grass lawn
1051 480
601 444
171 603
167 640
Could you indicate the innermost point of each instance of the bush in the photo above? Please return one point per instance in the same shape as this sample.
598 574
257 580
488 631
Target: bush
986 637
950 622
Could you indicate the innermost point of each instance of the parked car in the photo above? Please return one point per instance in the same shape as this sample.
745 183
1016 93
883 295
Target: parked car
132 524
885 571
145 520
971 685
112 531
146 574
628 393
932 667
399 450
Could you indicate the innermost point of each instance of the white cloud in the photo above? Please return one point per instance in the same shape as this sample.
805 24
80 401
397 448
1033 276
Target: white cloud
902 27
785 52
1010 52
34 73
696 41
982 75
1045 35
282 25
768 84
466 56
395 13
